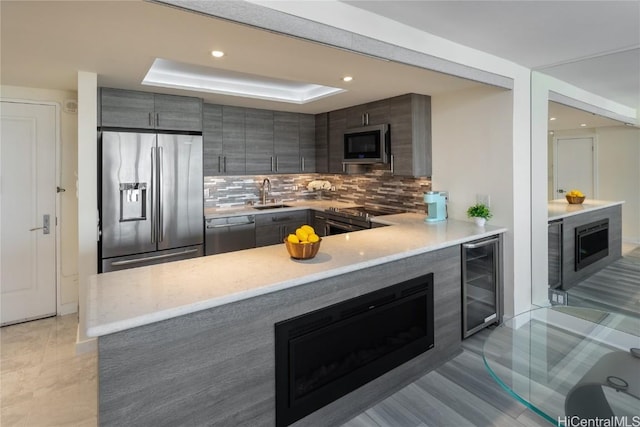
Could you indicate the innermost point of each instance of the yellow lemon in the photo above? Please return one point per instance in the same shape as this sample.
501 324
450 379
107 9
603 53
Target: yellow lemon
302 235
292 238
309 229
313 238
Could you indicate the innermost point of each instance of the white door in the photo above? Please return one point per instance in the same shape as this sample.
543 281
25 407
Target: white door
574 166
27 199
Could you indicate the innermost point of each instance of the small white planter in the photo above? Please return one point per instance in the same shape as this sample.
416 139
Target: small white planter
480 222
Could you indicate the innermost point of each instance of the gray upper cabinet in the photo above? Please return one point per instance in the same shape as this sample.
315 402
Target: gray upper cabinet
410 128
260 157
337 126
286 142
307 135
241 140
409 119
322 142
233 157
143 110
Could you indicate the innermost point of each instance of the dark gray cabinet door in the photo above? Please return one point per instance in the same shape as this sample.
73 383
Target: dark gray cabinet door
410 129
259 140
337 126
307 135
233 140
212 139
286 142
142 110
178 113
272 228
126 109
322 142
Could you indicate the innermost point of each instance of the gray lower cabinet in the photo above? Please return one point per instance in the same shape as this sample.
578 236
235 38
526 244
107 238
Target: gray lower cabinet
143 110
272 228
554 240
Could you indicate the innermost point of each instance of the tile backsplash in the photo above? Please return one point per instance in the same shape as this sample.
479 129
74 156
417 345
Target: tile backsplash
375 187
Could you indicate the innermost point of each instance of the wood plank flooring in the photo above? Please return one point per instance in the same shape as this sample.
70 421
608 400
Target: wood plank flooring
459 393
614 288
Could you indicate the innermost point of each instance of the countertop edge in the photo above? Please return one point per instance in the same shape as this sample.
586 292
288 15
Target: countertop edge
579 209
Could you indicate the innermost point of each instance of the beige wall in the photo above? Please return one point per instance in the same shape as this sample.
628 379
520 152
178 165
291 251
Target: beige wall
618 170
68 201
473 154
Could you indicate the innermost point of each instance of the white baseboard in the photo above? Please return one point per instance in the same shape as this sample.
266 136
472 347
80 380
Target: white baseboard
87 346
68 308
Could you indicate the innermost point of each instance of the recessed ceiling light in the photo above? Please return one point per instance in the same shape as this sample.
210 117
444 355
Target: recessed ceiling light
217 53
552 118
347 78
170 74
583 124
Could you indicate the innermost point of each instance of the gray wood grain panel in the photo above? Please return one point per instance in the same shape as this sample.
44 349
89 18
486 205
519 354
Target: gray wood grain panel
307 130
337 126
569 276
212 139
286 142
127 109
233 140
178 112
411 134
322 142
259 140
216 366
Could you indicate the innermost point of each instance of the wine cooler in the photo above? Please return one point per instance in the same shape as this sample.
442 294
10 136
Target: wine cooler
480 285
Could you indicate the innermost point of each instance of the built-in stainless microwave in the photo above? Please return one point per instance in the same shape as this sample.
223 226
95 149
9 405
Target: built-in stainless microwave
368 144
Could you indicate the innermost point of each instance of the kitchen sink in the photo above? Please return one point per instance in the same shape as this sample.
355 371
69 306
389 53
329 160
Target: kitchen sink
264 207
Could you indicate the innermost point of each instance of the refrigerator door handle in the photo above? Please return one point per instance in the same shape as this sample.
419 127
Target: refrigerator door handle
153 194
160 183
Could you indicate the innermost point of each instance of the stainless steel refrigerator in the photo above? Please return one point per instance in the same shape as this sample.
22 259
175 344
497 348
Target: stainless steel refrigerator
151 208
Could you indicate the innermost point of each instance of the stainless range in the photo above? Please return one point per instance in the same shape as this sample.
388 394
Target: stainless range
345 220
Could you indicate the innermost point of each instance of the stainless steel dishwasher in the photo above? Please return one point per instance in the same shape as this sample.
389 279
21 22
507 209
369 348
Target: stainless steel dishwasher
232 233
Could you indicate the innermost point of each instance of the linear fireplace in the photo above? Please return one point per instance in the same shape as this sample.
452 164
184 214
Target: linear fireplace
327 353
592 243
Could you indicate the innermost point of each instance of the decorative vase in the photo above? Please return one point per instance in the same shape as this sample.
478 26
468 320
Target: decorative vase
480 221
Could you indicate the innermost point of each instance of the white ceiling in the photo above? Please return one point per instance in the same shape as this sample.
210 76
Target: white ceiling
594 45
43 44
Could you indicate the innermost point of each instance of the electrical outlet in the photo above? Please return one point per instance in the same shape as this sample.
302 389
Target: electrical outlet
484 199
333 188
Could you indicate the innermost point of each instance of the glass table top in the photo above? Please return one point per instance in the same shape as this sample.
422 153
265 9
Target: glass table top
569 362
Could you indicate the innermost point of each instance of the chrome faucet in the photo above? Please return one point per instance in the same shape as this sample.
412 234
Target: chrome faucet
266 188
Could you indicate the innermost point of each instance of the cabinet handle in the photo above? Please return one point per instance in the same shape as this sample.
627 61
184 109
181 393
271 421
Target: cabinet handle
277 164
271 163
302 163
150 120
219 164
224 164
157 119
366 115
392 165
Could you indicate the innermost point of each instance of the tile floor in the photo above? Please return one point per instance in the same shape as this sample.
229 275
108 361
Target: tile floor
42 381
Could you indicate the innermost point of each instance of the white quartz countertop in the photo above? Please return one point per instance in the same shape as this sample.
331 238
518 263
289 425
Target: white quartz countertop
125 299
560 208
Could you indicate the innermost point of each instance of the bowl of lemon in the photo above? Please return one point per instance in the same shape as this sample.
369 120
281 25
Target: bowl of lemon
304 244
575 197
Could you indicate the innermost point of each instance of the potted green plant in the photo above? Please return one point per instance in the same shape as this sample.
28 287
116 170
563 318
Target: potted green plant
480 213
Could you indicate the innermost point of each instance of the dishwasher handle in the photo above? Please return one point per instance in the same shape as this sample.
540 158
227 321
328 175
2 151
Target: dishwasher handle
480 244
210 223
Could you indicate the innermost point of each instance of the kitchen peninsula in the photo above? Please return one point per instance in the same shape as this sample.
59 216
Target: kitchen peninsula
583 238
194 339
